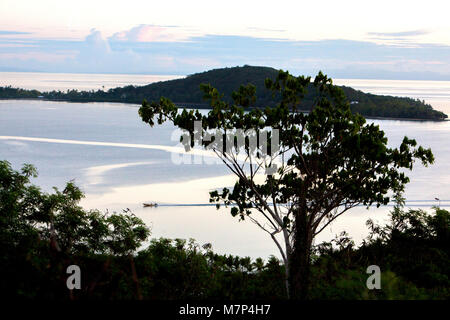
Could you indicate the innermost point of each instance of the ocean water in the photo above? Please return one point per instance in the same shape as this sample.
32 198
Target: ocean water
119 162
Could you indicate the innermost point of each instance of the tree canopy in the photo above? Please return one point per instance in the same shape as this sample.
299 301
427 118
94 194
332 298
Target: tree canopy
42 233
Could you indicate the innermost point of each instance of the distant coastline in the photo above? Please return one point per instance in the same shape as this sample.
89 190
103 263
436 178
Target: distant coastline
207 107
185 92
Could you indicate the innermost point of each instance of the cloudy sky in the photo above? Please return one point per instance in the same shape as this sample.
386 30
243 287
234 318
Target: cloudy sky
346 39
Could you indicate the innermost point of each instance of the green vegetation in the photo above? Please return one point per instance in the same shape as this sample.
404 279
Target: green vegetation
412 250
185 92
13 93
332 161
41 234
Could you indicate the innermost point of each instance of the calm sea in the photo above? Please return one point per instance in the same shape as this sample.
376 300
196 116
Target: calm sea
119 162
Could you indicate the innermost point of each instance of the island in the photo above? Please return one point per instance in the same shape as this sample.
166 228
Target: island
186 93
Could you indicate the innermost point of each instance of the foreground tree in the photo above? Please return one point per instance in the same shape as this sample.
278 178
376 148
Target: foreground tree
43 233
328 161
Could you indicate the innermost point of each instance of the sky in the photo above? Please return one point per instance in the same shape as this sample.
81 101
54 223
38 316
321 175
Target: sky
345 39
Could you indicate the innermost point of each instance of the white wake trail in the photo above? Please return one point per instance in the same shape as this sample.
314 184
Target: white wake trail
180 150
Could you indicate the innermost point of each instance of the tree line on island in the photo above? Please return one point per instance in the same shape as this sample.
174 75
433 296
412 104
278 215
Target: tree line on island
185 92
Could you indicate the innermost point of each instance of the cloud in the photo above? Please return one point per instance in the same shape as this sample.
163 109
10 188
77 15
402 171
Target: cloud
12 33
148 49
152 33
37 56
16 45
96 55
266 29
399 39
96 42
412 33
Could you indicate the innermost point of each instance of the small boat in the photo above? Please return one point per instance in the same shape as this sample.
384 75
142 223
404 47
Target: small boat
150 204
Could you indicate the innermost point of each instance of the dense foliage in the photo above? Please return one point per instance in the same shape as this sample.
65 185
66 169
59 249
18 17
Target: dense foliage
185 92
412 250
41 234
14 93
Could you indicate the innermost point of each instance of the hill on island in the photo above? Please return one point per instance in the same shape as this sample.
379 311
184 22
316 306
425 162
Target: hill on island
186 92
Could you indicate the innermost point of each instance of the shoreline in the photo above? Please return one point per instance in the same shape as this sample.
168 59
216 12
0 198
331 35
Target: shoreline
207 107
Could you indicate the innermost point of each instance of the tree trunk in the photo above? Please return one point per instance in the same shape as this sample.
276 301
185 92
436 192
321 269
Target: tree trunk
135 278
300 260
287 274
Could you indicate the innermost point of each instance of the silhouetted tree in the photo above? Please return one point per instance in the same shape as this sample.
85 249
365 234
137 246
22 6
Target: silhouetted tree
334 162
